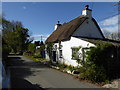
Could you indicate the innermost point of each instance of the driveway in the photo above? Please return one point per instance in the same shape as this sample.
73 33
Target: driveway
26 73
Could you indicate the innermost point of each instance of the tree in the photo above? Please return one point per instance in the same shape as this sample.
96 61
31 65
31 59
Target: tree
15 35
49 48
37 43
32 48
114 36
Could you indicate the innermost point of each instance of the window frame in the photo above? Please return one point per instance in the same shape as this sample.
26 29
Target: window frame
60 53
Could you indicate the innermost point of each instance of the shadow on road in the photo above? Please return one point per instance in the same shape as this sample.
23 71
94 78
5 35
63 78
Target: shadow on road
19 69
22 83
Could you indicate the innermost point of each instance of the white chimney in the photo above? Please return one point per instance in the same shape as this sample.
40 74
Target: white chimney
57 25
87 12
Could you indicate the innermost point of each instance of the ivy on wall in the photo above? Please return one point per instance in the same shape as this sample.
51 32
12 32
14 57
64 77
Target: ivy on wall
49 48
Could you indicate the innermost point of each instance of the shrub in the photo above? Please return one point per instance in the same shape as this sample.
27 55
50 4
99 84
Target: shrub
49 48
98 66
32 48
101 57
71 68
37 54
5 51
93 73
65 71
62 66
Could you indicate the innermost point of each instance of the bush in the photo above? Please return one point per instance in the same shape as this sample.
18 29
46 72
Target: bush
93 73
37 54
5 51
62 66
70 67
49 48
98 66
32 48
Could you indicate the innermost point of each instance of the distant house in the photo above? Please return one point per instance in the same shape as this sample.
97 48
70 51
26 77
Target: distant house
82 31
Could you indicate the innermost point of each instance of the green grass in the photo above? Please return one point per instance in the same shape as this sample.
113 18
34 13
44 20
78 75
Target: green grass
38 60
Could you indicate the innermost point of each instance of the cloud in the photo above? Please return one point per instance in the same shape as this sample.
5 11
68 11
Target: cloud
44 39
24 7
37 37
110 24
110 21
111 29
40 35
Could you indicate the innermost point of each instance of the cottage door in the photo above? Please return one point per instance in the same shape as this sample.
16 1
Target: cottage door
43 54
54 56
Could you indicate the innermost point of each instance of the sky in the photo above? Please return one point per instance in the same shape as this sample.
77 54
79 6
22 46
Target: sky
40 17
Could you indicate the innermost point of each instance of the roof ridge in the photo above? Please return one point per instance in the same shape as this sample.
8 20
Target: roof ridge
66 30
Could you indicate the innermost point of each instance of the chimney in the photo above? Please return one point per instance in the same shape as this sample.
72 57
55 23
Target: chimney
87 12
57 25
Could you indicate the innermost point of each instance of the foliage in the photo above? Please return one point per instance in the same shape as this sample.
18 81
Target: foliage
38 52
38 60
99 54
93 73
114 36
71 68
42 47
37 43
15 35
32 48
96 66
97 62
49 48
5 51
62 66
65 71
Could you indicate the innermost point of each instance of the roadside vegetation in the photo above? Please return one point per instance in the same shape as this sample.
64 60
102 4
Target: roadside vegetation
15 38
101 64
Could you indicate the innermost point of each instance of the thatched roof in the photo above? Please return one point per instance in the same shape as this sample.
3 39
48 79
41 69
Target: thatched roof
65 31
100 41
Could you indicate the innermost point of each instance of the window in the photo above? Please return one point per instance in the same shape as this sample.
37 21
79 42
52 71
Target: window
84 51
76 53
73 53
60 53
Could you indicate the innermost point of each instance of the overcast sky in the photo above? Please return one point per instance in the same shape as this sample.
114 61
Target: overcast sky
40 17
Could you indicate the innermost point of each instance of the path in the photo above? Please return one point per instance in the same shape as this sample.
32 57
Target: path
26 73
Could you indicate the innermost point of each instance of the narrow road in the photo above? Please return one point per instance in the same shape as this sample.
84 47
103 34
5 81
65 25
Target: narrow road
26 73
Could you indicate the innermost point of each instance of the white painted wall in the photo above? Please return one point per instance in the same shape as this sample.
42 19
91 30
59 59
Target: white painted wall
67 51
46 54
88 30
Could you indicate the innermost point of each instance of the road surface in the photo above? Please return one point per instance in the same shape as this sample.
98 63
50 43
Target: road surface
26 73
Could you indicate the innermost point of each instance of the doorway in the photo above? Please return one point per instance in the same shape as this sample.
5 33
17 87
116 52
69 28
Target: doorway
54 56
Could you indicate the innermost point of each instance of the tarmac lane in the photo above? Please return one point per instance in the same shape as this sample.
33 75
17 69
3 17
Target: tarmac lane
26 73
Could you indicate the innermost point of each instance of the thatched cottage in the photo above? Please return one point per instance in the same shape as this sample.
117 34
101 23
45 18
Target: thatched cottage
82 31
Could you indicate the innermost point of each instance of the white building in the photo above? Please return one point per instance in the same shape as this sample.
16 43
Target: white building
81 31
